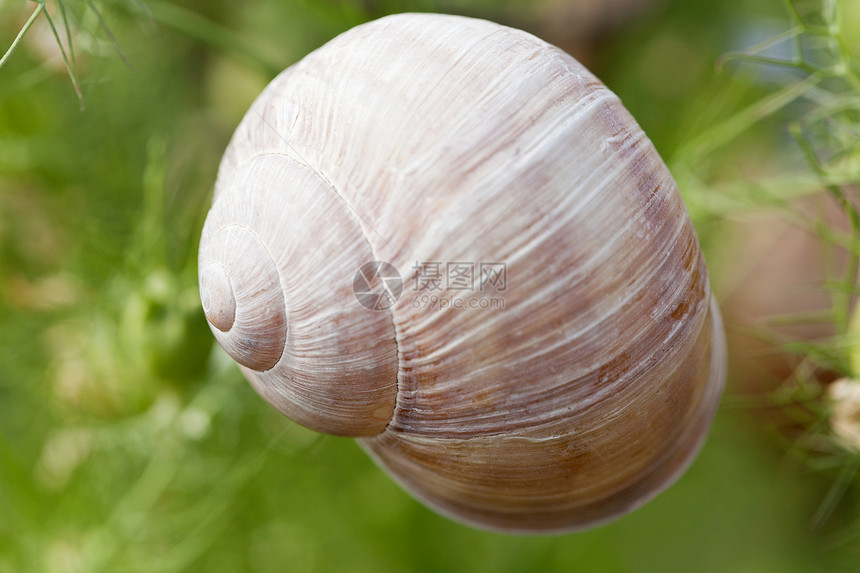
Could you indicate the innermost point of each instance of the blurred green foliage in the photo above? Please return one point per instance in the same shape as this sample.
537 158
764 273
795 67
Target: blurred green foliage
129 443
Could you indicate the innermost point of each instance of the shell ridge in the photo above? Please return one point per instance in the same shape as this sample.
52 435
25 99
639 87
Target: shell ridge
362 223
280 284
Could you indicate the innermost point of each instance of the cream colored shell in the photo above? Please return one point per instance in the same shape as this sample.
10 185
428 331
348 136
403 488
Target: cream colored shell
424 138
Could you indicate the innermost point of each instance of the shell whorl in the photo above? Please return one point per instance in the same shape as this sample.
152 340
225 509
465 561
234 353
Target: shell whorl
242 298
269 257
423 137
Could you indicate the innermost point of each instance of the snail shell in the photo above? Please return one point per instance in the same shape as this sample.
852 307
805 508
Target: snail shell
429 138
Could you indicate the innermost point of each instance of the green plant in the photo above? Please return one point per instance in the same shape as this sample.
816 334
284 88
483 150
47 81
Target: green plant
815 98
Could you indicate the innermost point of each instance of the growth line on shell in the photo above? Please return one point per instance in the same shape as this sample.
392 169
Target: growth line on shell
323 177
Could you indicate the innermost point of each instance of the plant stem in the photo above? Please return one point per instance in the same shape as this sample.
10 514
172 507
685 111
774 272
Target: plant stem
66 61
71 44
103 25
715 137
20 35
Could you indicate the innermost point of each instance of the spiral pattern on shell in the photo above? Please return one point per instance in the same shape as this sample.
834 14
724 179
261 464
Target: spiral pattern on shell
423 137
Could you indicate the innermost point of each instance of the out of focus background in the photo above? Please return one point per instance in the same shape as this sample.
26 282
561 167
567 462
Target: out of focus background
130 442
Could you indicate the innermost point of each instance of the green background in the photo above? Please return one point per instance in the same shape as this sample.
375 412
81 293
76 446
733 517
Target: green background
129 443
